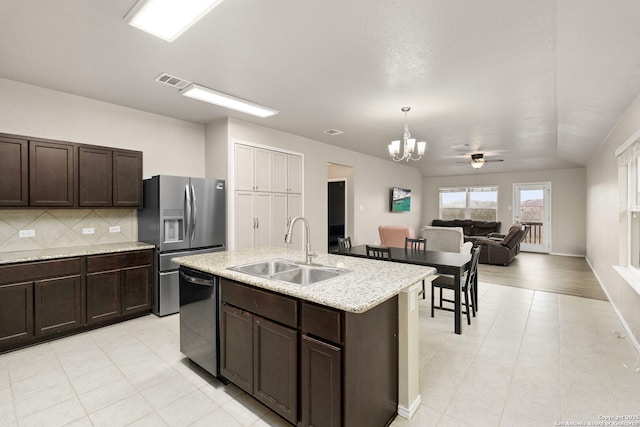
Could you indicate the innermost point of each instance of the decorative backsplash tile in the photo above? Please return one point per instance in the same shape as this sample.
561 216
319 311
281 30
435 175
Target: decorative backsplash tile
58 228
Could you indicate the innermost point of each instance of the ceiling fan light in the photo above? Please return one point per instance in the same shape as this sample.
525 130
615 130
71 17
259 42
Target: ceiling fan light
477 164
422 147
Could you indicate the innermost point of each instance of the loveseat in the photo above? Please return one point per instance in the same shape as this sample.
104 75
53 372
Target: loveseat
470 228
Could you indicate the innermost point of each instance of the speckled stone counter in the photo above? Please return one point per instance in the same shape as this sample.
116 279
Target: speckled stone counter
369 283
45 254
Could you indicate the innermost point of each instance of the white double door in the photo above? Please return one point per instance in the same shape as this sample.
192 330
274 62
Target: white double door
262 219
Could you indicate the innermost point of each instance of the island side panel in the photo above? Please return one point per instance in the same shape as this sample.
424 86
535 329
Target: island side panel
371 365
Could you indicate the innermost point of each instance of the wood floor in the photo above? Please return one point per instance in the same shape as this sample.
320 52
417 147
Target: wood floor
549 273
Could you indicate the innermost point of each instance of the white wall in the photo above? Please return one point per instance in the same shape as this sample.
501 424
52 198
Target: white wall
372 180
603 221
568 186
169 146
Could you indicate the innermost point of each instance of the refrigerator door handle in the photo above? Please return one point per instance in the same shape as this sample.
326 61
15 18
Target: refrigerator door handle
188 205
194 210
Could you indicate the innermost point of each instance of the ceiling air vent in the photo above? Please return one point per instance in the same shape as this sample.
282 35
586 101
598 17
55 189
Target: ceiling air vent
333 132
174 81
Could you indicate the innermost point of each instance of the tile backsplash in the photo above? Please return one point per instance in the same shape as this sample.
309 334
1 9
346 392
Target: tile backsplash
58 228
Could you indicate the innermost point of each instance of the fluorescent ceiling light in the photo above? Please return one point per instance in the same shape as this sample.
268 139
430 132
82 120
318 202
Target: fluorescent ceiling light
211 96
168 19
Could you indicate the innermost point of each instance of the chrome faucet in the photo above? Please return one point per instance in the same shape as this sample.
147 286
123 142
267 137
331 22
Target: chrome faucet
287 238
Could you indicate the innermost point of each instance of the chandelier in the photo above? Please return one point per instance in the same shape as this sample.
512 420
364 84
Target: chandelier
409 144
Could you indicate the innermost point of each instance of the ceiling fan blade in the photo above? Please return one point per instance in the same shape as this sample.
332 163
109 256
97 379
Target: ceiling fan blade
493 160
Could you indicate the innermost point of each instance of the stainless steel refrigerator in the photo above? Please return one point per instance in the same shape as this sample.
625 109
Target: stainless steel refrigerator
181 216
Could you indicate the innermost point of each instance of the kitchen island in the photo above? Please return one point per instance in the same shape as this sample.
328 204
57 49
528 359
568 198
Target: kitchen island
342 351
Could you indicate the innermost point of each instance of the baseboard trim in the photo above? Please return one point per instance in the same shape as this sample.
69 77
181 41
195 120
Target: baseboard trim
572 255
626 327
409 412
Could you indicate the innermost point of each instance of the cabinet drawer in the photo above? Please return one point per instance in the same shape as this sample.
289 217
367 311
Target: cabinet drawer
117 261
320 321
39 270
266 304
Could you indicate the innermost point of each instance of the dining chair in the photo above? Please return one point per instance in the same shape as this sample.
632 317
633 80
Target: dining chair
415 244
446 282
378 252
344 243
411 244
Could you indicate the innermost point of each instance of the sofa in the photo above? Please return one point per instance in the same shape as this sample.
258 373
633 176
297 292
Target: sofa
394 235
470 228
501 249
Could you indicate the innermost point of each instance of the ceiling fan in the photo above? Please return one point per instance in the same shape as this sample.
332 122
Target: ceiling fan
478 160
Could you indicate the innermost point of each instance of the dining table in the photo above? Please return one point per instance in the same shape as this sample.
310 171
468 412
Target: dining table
451 263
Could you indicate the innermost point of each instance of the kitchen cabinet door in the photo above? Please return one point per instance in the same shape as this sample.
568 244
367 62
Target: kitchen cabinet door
51 174
279 219
136 289
104 297
95 171
127 179
275 367
263 169
263 219
14 175
245 223
244 168
59 305
16 314
280 179
236 346
294 173
320 382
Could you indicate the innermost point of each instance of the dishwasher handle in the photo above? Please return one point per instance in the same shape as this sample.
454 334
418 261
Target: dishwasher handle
197 280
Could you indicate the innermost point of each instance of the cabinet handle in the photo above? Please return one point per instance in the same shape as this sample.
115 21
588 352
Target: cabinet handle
257 222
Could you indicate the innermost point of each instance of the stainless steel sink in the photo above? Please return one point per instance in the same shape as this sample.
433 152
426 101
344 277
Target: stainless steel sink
266 268
306 275
290 272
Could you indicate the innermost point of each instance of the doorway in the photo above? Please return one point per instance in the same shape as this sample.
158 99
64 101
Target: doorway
336 211
532 207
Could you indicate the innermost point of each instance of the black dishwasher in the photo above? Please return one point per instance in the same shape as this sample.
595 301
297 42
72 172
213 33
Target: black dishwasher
199 299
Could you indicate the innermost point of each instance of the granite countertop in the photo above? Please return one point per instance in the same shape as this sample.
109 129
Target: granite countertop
369 283
53 253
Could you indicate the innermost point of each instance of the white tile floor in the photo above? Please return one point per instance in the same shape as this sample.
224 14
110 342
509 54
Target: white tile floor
529 358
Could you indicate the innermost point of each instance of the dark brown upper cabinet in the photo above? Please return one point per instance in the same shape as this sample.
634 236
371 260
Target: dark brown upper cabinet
51 174
127 178
95 177
47 173
14 172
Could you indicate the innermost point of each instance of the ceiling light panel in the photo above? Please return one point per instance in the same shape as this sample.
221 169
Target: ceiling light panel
211 96
168 19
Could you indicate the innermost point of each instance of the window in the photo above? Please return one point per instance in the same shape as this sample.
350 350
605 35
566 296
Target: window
476 203
629 194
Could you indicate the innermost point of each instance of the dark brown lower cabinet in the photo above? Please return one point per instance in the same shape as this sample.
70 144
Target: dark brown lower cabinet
16 314
103 296
320 382
118 285
260 357
313 365
43 299
59 305
275 367
236 346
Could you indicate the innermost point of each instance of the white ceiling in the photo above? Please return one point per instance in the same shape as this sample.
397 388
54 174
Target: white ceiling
537 83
